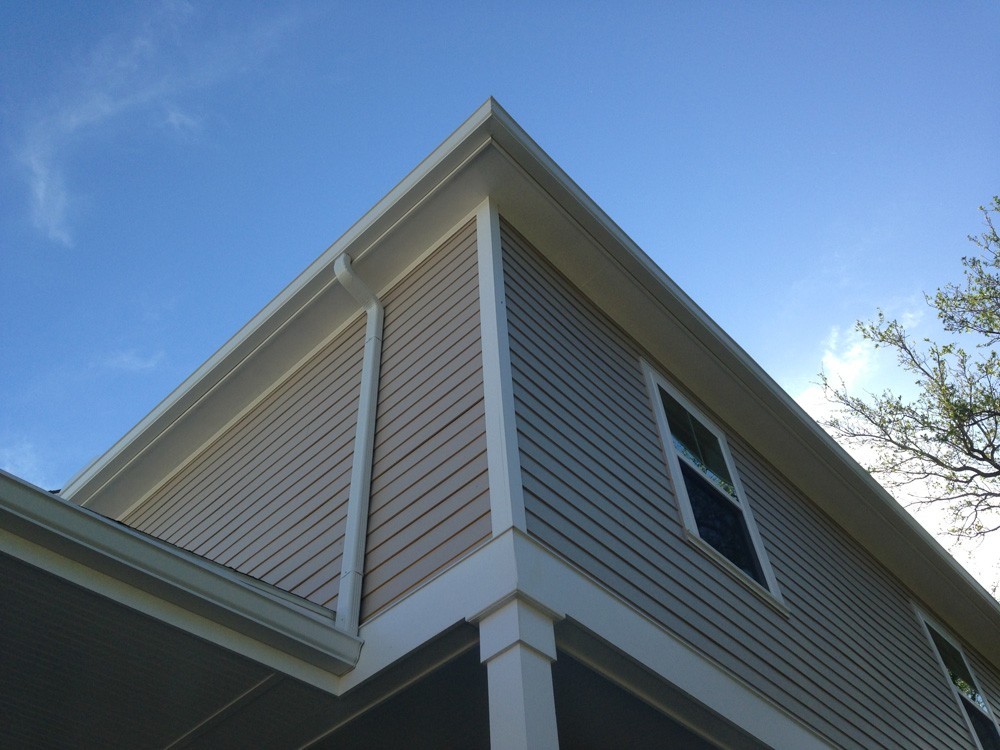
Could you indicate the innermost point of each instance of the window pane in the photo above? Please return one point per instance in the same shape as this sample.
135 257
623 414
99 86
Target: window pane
958 670
681 427
986 730
697 443
721 524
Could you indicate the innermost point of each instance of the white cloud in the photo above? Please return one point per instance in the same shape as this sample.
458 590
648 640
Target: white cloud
143 73
48 196
182 122
132 361
849 359
20 458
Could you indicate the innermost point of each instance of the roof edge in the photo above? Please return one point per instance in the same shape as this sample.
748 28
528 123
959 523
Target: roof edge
359 238
251 608
646 273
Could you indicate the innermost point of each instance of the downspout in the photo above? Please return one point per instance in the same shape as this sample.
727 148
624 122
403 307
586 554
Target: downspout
353 562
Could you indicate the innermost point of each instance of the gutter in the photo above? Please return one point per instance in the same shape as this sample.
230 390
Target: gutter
353 561
141 572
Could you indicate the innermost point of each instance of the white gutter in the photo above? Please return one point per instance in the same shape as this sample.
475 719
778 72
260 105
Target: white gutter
353 561
148 575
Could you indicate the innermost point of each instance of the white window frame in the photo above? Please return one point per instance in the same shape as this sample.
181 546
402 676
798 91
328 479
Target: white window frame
771 591
928 623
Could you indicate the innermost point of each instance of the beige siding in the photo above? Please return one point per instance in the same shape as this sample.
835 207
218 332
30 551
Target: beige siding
849 658
268 497
430 499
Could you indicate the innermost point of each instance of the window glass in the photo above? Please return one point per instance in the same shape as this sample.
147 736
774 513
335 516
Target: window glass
721 524
972 700
958 671
712 504
697 444
985 730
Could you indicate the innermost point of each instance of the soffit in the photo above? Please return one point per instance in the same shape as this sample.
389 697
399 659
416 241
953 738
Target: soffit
596 255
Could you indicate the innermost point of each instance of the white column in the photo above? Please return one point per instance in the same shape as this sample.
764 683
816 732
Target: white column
517 644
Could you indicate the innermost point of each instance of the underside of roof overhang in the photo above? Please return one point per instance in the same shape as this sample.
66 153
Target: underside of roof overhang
490 155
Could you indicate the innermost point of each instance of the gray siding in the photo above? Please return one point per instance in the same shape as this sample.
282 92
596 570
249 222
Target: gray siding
268 497
430 495
849 657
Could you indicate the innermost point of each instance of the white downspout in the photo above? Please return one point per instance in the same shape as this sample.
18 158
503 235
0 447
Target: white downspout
353 562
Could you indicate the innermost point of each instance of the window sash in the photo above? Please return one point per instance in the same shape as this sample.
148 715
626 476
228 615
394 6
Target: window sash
757 575
727 533
956 668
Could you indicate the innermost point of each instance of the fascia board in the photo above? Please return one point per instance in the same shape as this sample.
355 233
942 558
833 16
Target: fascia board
298 628
317 279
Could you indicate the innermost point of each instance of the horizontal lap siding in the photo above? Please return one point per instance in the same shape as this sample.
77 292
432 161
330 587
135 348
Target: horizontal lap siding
430 495
597 491
269 496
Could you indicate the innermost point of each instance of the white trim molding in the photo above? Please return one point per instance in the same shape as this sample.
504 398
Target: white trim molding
503 458
489 161
517 644
514 567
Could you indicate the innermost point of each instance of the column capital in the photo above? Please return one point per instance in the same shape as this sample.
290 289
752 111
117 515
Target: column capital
516 621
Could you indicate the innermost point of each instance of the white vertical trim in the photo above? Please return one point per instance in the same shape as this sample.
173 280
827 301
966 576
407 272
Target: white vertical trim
517 644
503 460
353 561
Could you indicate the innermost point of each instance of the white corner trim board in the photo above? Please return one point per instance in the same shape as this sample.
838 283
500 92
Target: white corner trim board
353 561
503 462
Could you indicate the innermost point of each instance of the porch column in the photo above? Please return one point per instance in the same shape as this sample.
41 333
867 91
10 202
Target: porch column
517 644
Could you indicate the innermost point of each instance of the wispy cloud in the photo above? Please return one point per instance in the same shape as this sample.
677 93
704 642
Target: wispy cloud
182 122
848 359
20 457
145 72
132 361
851 360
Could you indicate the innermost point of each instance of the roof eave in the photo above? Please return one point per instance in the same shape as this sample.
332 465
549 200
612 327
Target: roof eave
44 526
576 234
357 241
789 437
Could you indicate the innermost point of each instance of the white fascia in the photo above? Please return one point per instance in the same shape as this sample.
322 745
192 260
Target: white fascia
210 600
490 155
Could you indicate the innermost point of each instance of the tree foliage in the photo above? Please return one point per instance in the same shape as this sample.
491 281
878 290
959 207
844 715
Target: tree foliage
947 438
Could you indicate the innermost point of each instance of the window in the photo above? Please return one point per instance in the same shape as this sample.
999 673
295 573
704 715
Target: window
708 489
964 684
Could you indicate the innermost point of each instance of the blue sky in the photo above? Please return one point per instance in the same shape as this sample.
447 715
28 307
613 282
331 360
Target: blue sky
168 167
